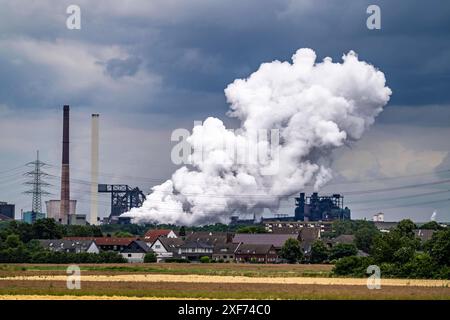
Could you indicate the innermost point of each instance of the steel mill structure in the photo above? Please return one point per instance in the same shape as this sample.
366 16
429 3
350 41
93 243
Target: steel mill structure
321 208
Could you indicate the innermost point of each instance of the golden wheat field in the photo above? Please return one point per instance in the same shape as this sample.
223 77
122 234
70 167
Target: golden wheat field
119 282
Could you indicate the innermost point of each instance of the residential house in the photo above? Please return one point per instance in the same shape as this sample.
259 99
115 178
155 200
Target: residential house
153 234
257 253
194 250
341 239
165 248
211 238
70 246
135 251
307 237
225 252
424 234
385 226
296 226
108 243
276 240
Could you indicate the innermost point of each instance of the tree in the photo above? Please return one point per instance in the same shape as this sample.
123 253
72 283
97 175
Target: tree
404 254
291 251
22 229
251 229
47 229
343 250
204 259
421 265
353 265
150 257
432 225
182 231
123 234
405 228
319 252
83 231
364 238
397 245
440 247
13 241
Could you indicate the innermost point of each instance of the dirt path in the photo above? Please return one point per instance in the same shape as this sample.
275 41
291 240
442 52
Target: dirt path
239 279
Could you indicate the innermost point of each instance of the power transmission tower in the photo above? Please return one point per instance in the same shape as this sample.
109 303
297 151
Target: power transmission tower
37 183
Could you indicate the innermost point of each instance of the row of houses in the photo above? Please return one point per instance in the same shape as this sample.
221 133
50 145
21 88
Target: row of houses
226 247
218 246
133 249
168 244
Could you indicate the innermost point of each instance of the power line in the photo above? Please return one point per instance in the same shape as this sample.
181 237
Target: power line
12 169
392 178
148 179
418 185
405 205
399 198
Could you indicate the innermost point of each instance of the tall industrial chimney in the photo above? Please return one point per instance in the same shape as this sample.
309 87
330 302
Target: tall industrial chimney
65 173
94 169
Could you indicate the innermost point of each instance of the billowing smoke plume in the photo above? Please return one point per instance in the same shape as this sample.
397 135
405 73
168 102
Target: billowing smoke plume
315 107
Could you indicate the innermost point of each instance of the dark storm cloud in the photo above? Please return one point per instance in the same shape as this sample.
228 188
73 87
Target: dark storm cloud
153 65
202 46
118 68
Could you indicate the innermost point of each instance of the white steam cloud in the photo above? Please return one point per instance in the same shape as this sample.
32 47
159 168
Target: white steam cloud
315 106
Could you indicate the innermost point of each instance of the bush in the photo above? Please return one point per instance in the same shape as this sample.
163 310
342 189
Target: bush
352 266
150 257
291 251
420 266
343 250
319 252
205 259
440 247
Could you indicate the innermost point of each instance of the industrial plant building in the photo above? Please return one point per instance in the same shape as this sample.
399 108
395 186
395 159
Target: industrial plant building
321 208
7 210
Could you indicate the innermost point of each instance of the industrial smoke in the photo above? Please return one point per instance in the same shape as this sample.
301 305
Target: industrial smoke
313 107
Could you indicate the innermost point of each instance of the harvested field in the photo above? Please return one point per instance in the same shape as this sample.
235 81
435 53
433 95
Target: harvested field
224 269
206 281
219 290
233 279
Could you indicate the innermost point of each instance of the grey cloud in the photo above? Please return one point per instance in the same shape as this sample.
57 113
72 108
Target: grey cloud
118 68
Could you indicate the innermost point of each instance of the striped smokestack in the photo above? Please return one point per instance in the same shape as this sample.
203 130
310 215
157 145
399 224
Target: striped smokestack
94 169
65 172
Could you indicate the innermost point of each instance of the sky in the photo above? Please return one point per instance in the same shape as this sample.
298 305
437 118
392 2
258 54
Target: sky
150 67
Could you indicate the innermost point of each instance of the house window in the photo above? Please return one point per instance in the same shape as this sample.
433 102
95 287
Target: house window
157 246
129 255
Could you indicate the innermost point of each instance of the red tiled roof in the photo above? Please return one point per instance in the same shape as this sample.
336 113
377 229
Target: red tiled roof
106 241
154 234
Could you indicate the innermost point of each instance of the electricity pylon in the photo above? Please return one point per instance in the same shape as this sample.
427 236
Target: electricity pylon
37 183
